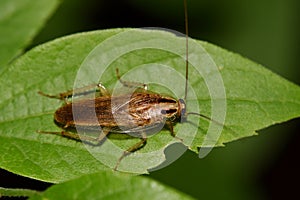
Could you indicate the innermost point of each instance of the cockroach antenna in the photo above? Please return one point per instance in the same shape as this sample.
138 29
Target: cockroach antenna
187 66
186 48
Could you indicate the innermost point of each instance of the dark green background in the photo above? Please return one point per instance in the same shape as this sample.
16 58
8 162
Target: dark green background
260 167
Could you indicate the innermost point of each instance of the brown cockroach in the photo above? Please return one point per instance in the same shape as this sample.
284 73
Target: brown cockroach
135 114
140 113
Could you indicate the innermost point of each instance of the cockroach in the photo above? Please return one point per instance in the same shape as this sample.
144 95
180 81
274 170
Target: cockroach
142 112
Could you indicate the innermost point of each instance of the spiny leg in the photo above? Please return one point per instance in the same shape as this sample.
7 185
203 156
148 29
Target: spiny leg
103 134
79 92
132 149
131 84
62 133
170 126
76 136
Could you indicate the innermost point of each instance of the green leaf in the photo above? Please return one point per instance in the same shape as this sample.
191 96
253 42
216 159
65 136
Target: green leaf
256 97
224 86
110 186
19 22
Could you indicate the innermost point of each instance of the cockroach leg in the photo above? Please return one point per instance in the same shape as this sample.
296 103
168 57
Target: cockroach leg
76 136
131 84
103 91
87 90
63 133
132 149
79 92
58 96
170 126
103 134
